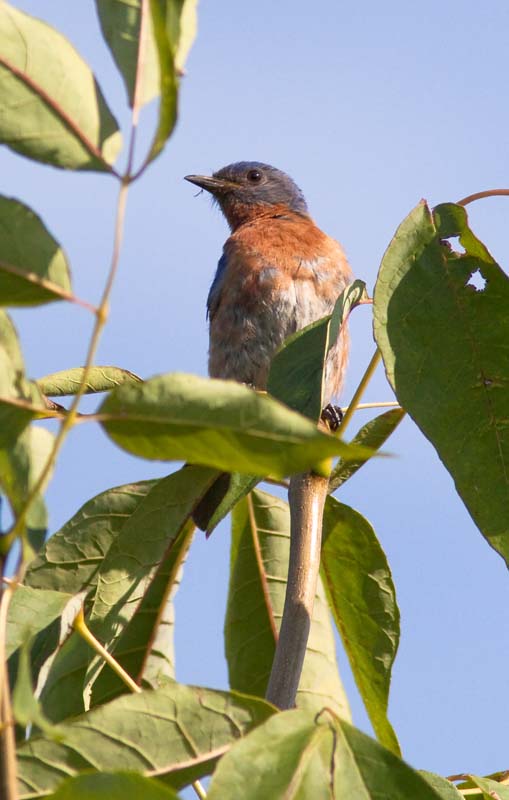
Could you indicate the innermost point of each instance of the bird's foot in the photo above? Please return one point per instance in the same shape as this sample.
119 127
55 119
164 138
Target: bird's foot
332 416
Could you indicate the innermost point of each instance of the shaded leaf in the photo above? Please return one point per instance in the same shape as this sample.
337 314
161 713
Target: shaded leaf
20 400
297 371
113 786
256 594
71 558
33 266
20 467
30 611
222 496
26 708
219 423
100 379
373 435
147 733
362 598
124 576
444 345
51 107
296 754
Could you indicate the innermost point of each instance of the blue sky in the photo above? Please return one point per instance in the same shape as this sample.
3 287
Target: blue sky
369 107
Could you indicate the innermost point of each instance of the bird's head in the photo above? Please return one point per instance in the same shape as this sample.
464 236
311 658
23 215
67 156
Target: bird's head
248 188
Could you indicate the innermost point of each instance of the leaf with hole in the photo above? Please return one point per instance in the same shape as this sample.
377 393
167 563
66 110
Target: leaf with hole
445 346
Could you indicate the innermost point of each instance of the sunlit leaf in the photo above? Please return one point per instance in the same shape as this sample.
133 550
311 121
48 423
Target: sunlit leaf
490 790
256 595
51 108
444 788
147 733
219 423
297 754
26 708
297 371
373 435
33 267
444 345
362 598
100 379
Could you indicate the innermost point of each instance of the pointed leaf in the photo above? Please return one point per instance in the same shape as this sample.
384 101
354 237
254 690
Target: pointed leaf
362 598
100 379
299 755
33 266
373 435
113 786
51 108
26 708
258 572
158 733
222 496
219 423
444 345
297 371
491 790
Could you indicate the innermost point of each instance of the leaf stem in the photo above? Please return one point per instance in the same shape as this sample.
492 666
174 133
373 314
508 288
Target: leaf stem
354 403
32 277
81 627
480 195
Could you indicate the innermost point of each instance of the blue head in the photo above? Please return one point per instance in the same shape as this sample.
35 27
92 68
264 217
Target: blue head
246 188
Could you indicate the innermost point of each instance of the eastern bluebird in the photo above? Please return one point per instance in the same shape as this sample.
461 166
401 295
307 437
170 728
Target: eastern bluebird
278 273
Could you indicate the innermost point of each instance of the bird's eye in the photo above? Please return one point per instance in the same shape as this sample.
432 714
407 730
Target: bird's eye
254 176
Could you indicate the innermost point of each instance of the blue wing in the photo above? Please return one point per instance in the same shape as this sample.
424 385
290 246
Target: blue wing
214 297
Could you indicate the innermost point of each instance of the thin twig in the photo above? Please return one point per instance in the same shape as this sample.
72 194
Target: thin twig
8 783
354 403
481 195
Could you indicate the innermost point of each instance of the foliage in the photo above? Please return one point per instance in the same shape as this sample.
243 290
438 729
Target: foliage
86 620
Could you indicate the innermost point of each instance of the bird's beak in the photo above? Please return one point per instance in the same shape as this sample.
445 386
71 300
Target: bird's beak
210 184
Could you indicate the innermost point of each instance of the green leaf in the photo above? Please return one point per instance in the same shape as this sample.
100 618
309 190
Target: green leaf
296 754
33 266
20 400
100 379
135 57
71 558
373 435
113 786
297 371
444 345
20 467
26 708
491 790
30 611
51 107
158 733
145 647
258 573
219 423
444 788
125 575
362 598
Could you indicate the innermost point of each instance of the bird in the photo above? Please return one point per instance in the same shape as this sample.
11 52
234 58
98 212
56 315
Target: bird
278 273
